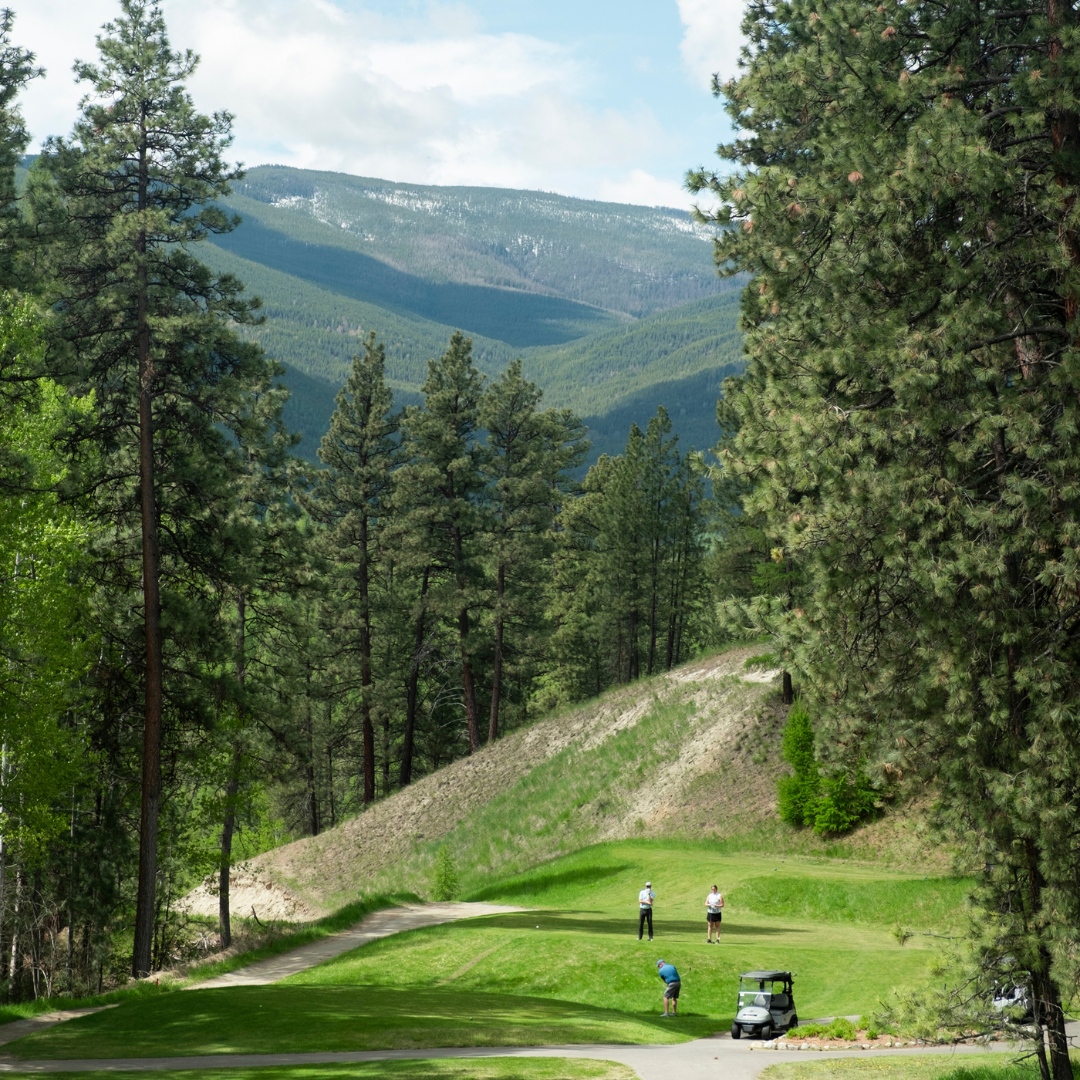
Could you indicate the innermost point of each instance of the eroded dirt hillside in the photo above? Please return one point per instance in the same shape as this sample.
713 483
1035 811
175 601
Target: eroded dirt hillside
687 753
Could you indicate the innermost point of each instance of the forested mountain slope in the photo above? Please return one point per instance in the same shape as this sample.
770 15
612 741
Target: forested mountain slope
615 309
695 752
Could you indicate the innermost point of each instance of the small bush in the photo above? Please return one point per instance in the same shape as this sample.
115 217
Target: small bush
843 801
445 884
763 660
831 805
797 795
840 1028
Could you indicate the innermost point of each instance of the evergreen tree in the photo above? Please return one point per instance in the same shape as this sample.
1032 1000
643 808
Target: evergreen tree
531 454
148 329
351 497
629 566
907 207
439 492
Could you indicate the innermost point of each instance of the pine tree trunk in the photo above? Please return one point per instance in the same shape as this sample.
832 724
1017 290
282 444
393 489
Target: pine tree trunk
312 793
787 692
412 695
232 788
330 779
232 785
497 661
468 683
13 966
365 668
152 725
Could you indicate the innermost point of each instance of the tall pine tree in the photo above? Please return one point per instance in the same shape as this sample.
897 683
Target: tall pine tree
148 329
907 208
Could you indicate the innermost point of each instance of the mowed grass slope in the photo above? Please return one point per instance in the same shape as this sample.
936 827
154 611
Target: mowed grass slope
570 969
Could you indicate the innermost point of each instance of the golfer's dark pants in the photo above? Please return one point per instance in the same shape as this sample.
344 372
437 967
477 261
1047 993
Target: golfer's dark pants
645 916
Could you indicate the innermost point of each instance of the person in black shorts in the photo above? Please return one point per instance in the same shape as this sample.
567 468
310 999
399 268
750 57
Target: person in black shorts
714 904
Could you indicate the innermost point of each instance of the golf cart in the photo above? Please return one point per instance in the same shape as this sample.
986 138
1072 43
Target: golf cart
766 1004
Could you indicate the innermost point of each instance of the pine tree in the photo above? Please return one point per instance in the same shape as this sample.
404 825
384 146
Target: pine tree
148 329
531 455
907 209
439 492
352 498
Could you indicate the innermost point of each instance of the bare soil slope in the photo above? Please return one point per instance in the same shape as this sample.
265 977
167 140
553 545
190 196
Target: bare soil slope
686 753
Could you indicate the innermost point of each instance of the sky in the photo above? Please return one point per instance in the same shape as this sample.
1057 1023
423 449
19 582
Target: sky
602 99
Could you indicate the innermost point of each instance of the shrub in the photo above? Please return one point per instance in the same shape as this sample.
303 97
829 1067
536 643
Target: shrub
844 800
840 1028
445 884
829 804
797 795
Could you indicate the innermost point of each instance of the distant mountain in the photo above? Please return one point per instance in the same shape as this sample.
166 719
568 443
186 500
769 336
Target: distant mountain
614 309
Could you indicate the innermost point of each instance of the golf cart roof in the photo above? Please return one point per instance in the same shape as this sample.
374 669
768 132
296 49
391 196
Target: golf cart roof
765 976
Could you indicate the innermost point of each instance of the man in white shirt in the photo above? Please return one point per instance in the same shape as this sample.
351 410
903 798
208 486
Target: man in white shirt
714 903
645 900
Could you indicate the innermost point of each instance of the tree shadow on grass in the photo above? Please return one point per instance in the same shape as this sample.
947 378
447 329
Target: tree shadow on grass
570 921
537 883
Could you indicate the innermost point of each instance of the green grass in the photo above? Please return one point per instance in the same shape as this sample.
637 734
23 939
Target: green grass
975 1066
869 903
284 937
568 801
488 1068
570 970
294 936
304 1019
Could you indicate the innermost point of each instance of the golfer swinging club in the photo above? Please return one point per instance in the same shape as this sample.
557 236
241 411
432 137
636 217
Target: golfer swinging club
645 900
672 986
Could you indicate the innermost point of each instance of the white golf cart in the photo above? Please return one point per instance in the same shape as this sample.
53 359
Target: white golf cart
766 1004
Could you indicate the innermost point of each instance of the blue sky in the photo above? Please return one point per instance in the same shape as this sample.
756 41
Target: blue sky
593 98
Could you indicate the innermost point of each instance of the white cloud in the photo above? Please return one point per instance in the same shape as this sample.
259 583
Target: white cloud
712 37
644 189
425 96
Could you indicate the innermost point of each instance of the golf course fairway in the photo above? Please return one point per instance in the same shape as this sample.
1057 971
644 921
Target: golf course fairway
569 969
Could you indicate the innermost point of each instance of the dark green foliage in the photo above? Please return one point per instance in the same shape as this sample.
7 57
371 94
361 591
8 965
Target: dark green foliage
831 804
797 795
629 570
906 201
845 799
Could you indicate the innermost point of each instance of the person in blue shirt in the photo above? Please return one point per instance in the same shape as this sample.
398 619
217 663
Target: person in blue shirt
672 985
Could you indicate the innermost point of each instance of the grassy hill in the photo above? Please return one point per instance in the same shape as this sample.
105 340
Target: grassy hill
690 755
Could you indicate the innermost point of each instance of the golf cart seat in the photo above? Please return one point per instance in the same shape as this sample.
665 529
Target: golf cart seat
761 1001
781 1001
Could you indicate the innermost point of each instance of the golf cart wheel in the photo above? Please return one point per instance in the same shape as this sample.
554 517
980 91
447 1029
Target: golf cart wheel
794 1021
766 1031
736 1031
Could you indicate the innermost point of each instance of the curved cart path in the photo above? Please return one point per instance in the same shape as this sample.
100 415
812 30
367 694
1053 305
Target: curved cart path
378 924
715 1058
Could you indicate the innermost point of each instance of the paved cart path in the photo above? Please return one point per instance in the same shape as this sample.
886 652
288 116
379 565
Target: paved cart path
715 1058
378 924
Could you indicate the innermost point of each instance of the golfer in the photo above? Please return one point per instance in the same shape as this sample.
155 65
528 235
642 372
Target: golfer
714 904
672 986
645 900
